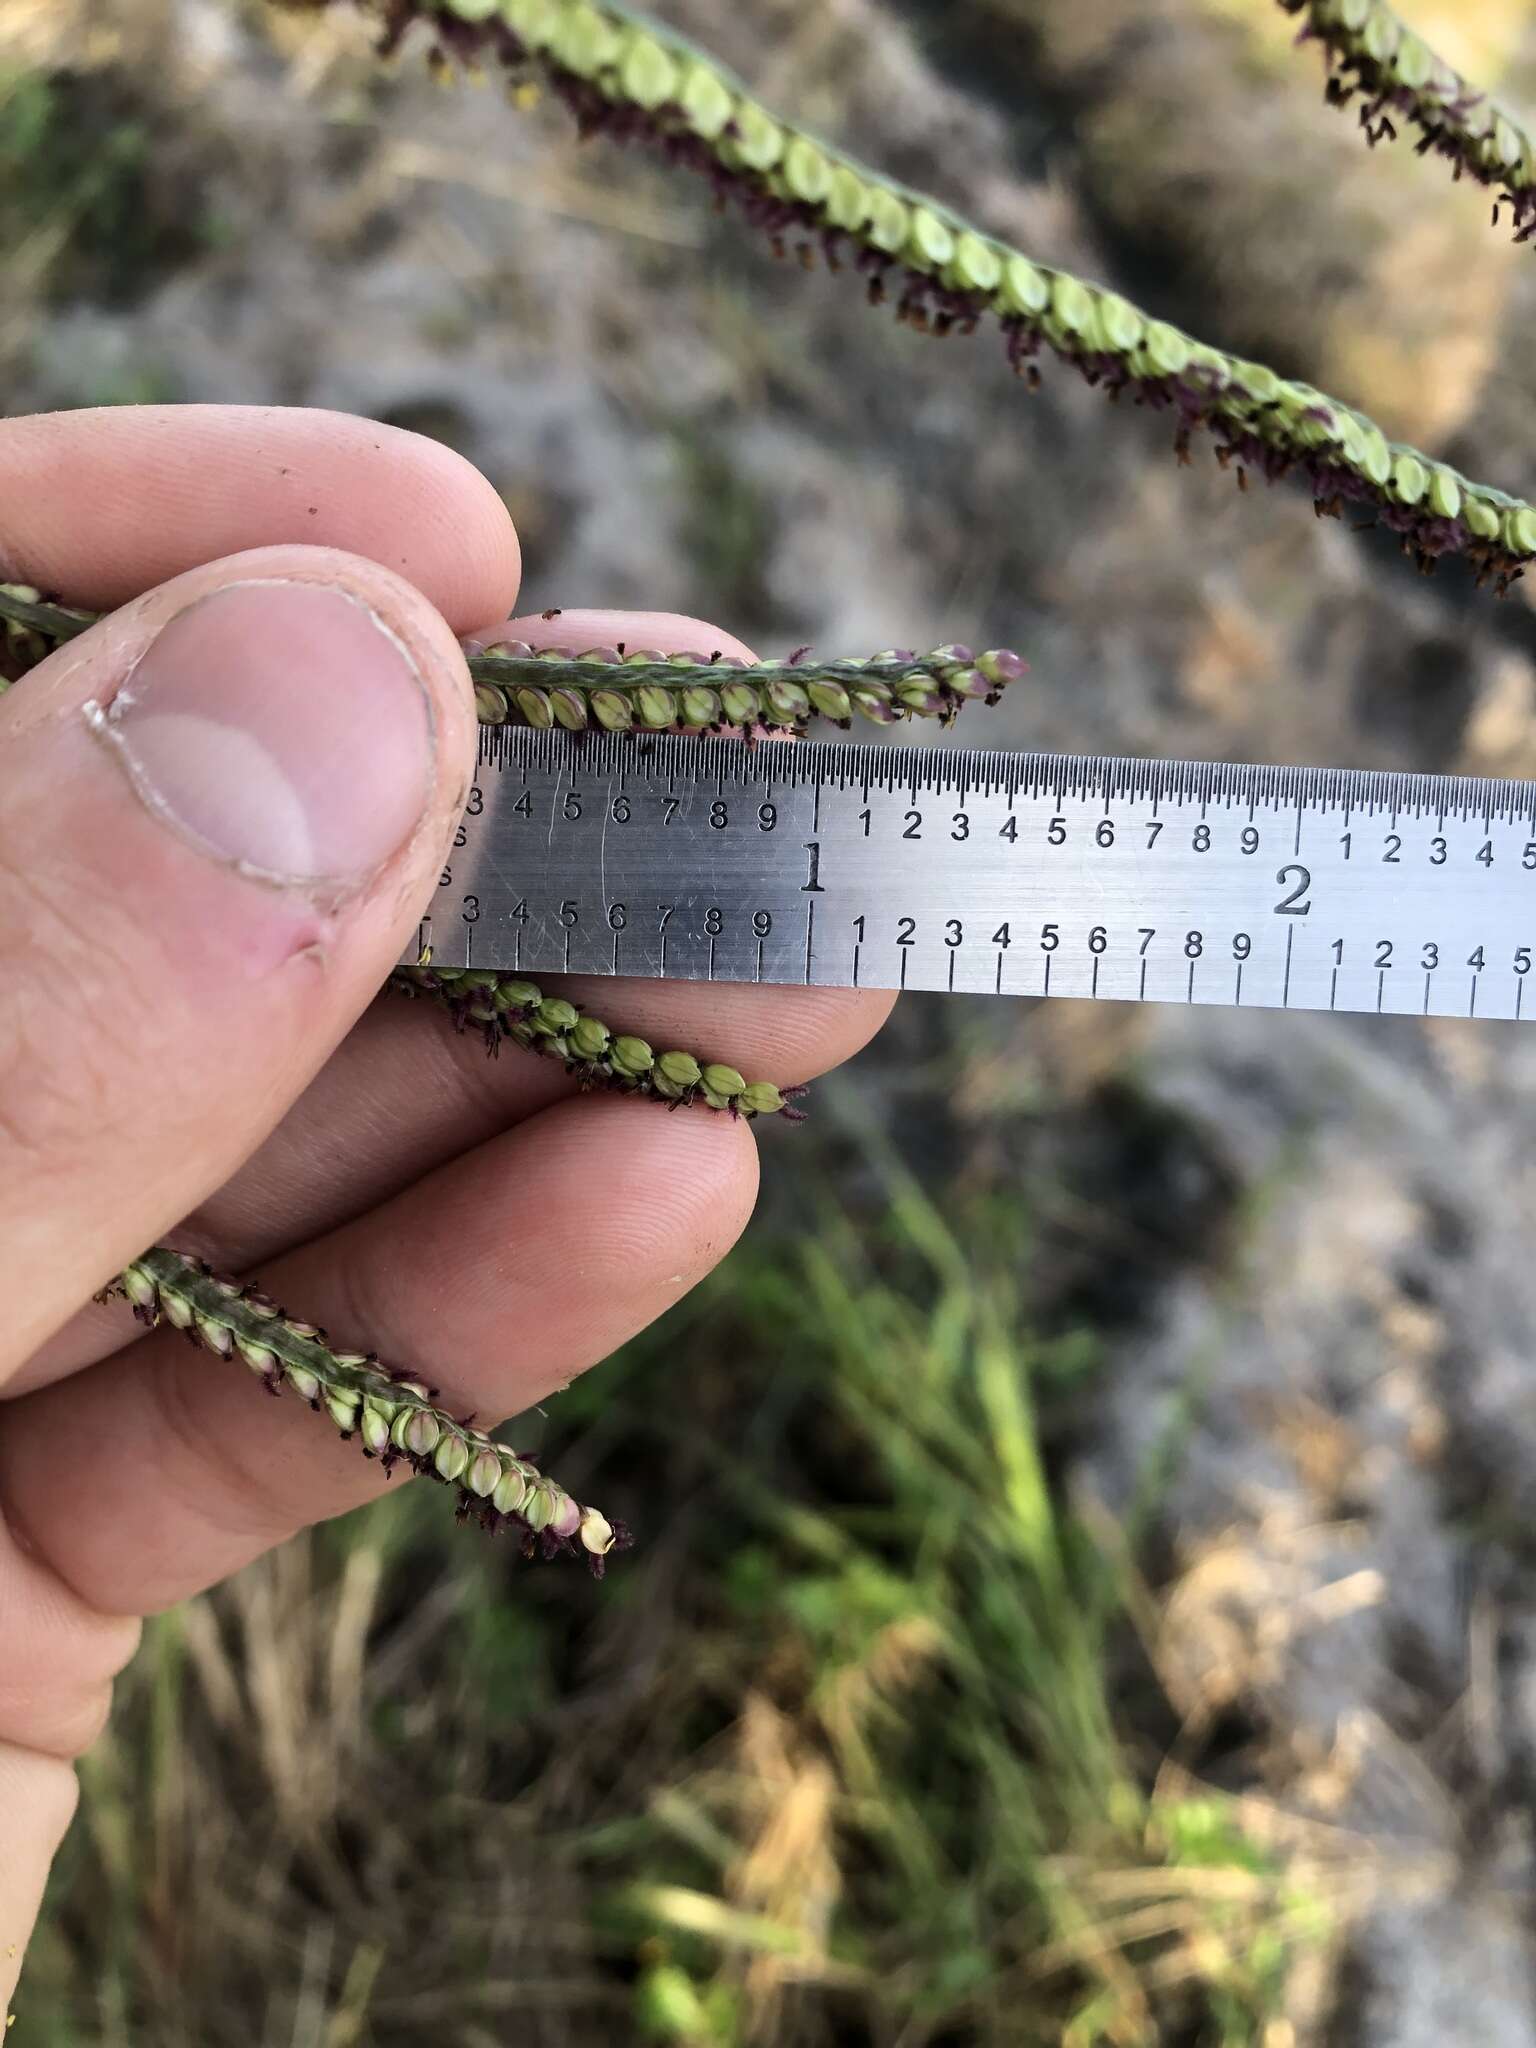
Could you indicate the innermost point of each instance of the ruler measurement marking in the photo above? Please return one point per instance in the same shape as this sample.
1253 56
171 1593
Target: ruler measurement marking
1133 880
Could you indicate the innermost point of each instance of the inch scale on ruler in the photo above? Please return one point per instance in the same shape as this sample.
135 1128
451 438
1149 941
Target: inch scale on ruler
842 866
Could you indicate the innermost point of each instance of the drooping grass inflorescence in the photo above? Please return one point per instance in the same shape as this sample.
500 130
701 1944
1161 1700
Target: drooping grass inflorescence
1374 59
626 77
394 1417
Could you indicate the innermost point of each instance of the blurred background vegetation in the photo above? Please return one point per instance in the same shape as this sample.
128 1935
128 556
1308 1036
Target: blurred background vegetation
1085 1585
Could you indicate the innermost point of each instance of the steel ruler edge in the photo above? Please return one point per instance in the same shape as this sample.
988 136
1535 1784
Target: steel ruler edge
843 865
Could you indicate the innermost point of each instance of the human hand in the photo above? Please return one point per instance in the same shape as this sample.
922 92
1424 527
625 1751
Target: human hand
196 905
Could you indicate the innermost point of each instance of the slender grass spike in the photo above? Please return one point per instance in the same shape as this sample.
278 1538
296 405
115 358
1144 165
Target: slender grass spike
1375 59
394 1416
945 274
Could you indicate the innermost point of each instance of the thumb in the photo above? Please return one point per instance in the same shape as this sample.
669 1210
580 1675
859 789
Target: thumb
222 811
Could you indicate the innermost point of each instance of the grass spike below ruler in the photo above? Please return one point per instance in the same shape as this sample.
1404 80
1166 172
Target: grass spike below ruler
393 1416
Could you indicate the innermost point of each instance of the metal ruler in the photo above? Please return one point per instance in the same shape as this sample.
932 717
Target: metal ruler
846 866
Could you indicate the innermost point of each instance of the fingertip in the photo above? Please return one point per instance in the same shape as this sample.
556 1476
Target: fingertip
102 503
819 1029
668 1192
475 553
582 627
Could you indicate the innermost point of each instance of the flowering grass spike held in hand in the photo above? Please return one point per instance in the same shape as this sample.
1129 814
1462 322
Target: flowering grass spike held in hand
234 761
616 689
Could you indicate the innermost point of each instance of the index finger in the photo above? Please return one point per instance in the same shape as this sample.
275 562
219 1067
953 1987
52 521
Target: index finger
101 504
